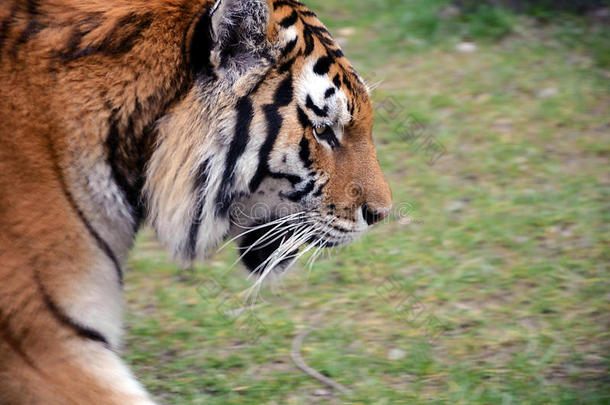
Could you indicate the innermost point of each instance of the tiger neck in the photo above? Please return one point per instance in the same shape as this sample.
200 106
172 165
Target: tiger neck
109 101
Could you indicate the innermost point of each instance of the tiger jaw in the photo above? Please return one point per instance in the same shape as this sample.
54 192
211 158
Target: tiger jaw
273 245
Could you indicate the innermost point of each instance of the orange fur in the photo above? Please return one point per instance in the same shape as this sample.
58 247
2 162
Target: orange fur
50 107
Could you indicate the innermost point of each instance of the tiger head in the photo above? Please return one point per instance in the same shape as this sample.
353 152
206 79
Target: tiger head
272 146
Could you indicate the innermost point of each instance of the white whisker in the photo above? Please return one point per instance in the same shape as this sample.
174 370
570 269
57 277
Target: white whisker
293 231
320 245
257 227
271 234
286 247
295 214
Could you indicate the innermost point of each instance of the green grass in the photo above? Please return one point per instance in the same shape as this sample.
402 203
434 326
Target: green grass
495 291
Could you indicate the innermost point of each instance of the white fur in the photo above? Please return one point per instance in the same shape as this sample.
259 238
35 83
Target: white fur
111 372
288 34
248 161
97 300
171 198
100 200
314 85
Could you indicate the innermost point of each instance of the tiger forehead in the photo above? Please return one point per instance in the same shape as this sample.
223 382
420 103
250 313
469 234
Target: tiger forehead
308 44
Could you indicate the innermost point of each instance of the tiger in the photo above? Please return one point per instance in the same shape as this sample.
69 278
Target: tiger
206 120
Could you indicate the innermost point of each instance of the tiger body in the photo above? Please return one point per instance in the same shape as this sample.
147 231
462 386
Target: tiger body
166 111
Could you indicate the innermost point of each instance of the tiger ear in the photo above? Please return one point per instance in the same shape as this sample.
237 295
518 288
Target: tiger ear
239 33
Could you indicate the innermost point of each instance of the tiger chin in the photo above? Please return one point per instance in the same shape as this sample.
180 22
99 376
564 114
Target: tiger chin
211 121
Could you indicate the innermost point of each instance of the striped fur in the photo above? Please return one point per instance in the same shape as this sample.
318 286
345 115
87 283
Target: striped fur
240 118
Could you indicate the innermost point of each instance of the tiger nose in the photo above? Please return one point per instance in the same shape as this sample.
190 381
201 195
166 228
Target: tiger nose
372 216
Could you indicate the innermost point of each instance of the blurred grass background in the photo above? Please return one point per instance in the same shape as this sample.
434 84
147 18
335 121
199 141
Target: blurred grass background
490 285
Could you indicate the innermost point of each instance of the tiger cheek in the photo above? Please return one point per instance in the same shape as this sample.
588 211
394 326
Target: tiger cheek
324 164
339 189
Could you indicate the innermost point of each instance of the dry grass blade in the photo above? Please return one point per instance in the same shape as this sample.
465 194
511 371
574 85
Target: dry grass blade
295 355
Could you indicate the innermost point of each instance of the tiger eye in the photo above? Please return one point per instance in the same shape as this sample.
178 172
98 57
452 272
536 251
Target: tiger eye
320 130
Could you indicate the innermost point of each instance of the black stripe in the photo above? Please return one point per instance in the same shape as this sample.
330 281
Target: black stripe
126 44
338 228
76 36
290 20
304 152
286 66
119 149
61 317
317 110
102 244
309 44
121 39
292 178
303 119
128 149
329 92
199 186
243 119
318 192
199 46
289 47
308 13
321 33
337 80
274 124
338 53
347 83
318 29
283 97
33 28
104 247
7 24
299 195
32 7
322 66
284 93
328 41
75 39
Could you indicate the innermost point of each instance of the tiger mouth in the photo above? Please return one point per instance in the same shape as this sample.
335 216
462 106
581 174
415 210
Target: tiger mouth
265 247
